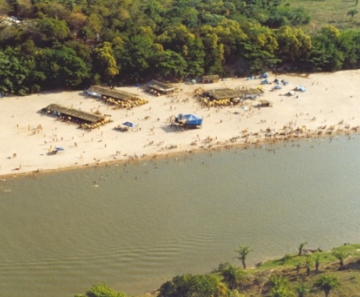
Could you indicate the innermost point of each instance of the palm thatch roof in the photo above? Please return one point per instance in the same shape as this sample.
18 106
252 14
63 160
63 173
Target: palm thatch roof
74 113
115 94
160 86
227 93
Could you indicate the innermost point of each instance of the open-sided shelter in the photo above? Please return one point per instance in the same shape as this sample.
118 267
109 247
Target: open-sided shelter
226 93
88 119
112 93
160 87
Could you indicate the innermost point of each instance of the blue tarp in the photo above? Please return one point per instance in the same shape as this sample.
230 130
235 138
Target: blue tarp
264 82
192 119
277 87
129 124
264 75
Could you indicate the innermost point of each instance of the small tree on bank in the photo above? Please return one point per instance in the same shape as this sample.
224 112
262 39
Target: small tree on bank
243 251
327 283
233 277
301 247
301 290
309 263
341 257
317 262
352 12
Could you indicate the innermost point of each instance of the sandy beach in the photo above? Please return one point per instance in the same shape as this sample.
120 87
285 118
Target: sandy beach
328 107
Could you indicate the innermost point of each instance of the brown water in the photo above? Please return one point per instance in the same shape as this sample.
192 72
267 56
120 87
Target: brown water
147 222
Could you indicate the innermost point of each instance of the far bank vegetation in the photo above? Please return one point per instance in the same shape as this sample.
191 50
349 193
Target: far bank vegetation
307 272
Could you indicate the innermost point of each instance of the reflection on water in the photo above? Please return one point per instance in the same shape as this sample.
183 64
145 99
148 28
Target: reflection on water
136 226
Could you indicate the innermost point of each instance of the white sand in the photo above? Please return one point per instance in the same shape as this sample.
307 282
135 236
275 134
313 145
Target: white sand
329 99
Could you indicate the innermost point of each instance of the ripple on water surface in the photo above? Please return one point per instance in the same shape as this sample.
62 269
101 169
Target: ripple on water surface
146 222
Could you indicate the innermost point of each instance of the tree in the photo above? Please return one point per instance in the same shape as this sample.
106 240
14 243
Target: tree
279 286
18 73
341 257
101 290
326 54
189 285
293 43
259 47
281 292
170 65
277 281
104 61
326 283
309 263
352 12
53 30
62 67
317 261
301 247
233 277
4 7
243 251
301 290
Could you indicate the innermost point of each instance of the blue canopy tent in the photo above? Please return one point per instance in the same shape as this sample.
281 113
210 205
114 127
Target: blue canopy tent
189 119
192 119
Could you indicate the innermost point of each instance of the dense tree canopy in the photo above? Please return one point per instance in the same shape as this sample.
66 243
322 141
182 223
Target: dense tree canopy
188 285
73 43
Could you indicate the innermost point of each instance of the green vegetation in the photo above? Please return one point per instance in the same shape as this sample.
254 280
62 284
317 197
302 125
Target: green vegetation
76 43
327 283
274 278
243 251
301 247
335 13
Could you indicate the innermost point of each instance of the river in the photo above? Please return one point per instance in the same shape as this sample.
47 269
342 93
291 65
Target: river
136 226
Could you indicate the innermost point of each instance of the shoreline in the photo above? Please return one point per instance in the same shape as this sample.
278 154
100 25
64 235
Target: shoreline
27 135
220 147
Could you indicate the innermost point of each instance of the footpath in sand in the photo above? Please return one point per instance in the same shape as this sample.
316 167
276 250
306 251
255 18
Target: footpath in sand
330 105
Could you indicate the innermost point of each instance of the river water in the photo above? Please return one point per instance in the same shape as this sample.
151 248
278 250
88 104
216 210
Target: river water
136 226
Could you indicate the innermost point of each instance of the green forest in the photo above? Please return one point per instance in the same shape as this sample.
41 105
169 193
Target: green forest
72 44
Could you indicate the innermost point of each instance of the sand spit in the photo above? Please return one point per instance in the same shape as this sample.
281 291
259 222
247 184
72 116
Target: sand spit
329 106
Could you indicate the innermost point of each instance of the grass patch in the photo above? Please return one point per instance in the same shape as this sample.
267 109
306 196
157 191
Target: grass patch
328 13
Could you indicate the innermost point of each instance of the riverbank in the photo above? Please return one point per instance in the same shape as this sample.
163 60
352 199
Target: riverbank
294 273
328 107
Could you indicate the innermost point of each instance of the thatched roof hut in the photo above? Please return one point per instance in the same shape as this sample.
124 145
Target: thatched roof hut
113 93
160 86
210 78
226 93
83 116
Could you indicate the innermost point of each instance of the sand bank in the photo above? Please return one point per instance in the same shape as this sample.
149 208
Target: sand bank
329 106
